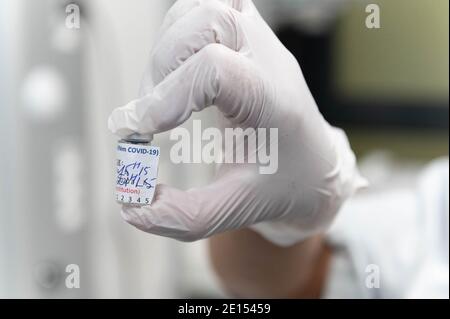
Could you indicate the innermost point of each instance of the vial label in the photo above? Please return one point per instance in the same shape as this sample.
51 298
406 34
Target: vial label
137 172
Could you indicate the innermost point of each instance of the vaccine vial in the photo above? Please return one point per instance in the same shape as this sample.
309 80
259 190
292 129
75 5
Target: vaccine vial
137 170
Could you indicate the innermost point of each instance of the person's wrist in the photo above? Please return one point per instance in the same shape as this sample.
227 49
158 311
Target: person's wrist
280 233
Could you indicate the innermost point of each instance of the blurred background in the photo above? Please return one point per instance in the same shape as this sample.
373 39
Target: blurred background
388 88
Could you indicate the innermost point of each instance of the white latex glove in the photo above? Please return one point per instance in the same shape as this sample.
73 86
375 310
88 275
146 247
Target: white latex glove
222 53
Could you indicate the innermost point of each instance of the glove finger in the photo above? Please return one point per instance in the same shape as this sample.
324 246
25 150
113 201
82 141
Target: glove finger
195 214
214 76
172 214
211 22
239 5
177 11
181 7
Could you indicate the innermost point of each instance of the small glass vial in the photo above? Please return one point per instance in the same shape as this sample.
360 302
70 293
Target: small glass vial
137 170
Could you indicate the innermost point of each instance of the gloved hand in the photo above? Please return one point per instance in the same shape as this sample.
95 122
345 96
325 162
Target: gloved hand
222 53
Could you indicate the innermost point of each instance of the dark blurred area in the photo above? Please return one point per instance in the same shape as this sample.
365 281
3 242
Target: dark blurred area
315 53
387 87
